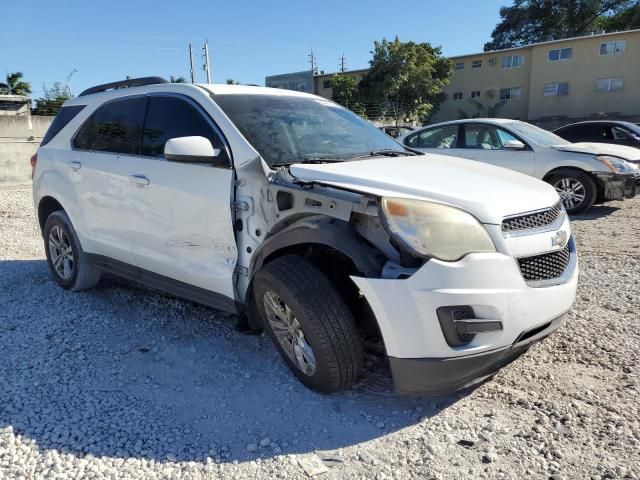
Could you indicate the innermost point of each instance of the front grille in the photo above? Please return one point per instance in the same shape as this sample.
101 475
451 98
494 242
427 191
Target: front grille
532 220
546 266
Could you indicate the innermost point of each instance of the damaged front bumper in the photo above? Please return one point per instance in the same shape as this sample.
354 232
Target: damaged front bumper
485 291
618 186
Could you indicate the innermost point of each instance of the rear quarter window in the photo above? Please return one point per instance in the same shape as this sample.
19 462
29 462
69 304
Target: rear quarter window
64 116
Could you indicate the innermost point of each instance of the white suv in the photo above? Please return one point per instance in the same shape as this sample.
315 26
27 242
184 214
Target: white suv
306 220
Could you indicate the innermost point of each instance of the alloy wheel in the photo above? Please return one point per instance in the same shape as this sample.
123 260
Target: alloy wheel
288 332
61 253
571 191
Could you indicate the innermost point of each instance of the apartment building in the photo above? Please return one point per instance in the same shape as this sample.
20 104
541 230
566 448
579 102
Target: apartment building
548 83
575 78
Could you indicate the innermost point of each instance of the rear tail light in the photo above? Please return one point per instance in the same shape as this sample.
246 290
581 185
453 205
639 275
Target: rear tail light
34 160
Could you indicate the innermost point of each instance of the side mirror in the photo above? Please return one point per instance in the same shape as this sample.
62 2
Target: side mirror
190 150
514 145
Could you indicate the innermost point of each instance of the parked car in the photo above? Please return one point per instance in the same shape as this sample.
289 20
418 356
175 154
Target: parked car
305 220
582 173
616 133
395 131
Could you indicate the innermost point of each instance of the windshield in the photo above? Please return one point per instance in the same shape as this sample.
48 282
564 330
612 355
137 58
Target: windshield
537 135
287 129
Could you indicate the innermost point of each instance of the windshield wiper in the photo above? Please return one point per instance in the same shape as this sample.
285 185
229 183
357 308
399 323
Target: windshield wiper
307 160
386 152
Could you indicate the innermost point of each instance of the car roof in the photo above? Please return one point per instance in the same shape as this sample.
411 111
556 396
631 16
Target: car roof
215 89
599 122
488 121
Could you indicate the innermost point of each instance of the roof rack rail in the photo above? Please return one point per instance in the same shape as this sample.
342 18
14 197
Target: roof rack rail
132 82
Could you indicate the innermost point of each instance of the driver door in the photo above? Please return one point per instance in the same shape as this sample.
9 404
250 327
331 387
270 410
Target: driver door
181 220
485 143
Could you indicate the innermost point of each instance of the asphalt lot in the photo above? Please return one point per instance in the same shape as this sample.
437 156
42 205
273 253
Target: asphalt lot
125 382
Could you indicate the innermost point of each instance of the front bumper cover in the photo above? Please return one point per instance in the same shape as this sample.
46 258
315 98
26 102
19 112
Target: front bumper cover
442 376
617 186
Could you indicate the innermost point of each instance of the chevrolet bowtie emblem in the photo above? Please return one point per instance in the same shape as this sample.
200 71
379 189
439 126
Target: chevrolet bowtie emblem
560 238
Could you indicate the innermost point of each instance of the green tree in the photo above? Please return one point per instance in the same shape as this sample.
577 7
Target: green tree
231 81
344 90
173 79
406 80
15 85
52 100
481 110
628 18
531 21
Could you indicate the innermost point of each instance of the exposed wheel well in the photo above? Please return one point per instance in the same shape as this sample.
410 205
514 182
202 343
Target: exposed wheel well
338 267
46 207
565 170
568 170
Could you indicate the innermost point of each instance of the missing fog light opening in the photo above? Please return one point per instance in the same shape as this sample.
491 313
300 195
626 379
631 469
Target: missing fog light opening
459 324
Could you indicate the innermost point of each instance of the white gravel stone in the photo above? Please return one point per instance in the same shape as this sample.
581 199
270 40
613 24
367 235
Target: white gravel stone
124 382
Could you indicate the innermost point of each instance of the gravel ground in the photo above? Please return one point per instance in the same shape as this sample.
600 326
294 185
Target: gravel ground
125 382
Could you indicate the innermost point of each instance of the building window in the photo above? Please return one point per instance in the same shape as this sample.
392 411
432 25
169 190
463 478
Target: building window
556 89
557 54
510 93
476 64
613 84
326 84
459 65
613 48
512 61
475 94
457 95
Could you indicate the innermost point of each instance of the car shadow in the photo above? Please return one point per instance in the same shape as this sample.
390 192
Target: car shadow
596 212
124 371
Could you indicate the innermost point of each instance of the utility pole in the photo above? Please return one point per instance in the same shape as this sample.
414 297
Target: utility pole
206 60
193 74
343 64
313 61
69 82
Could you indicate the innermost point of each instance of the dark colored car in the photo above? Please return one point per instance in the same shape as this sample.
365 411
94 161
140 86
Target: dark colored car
397 131
618 133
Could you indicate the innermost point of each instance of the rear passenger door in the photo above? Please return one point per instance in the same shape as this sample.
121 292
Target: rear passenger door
443 140
485 143
99 168
181 222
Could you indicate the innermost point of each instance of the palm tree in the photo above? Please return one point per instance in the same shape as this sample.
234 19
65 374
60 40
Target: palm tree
15 85
482 111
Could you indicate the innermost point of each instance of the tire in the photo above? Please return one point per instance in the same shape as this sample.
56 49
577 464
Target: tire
572 184
328 329
72 272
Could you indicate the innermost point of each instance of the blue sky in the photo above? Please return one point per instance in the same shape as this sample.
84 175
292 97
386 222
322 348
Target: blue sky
105 41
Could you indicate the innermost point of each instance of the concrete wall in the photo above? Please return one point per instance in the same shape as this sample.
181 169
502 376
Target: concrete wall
19 140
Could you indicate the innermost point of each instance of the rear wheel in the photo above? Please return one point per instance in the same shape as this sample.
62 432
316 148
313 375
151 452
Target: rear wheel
309 322
577 190
69 265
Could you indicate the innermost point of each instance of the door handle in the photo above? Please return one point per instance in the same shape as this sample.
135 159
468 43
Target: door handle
75 165
139 179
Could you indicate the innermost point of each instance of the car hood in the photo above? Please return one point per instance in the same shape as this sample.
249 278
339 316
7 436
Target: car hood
627 153
489 193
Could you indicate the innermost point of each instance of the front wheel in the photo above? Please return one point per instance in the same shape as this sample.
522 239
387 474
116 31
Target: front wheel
310 323
577 190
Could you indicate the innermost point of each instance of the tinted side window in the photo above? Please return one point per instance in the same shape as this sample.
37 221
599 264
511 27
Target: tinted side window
171 117
64 116
115 127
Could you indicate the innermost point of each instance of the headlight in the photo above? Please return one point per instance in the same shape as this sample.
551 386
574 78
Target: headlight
434 230
616 164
